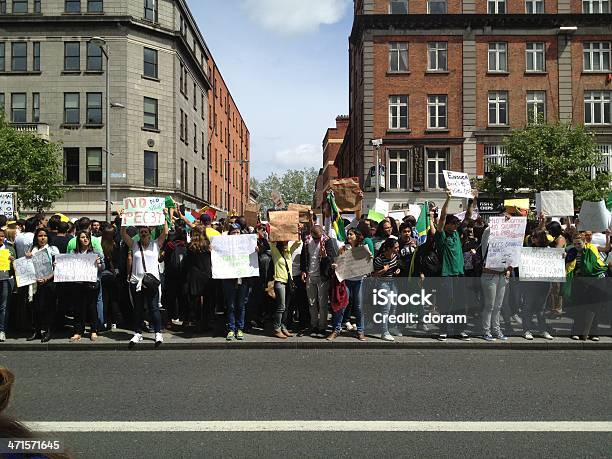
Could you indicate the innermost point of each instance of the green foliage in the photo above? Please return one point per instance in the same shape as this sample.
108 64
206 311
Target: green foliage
295 186
549 157
31 167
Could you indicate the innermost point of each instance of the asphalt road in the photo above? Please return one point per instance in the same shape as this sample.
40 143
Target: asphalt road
312 385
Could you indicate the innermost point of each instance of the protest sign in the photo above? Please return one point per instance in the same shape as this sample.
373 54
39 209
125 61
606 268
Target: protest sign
382 207
277 200
5 262
347 193
609 202
76 267
356 262
397 215
459 184
542 264
7 204
143 211
375 216
505 242
284 226
461 215
415 211
251 213
234 256
557 203
303 209
24 272
598 239
42 264
594 216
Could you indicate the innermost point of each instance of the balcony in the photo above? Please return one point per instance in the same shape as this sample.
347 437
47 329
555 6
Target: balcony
38 129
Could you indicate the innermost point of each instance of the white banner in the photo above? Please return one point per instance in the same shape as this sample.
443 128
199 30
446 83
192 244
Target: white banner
42 264
7 204
25 274
234 256
505 242
542 264
459 184
382 207
76 268
558 203
143 211
355 262
594 216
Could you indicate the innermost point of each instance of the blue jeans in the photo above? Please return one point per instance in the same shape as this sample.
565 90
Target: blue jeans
5 292
147 299
388 309
100 309
451 297
236 297
354 291
536 295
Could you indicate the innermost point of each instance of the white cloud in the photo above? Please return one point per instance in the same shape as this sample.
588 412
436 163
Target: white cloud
305 155
293 17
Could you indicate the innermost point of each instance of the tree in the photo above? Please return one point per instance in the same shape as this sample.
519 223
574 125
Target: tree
31 167
295 186
544 157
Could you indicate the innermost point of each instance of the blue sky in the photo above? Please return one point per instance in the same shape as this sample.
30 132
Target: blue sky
286 65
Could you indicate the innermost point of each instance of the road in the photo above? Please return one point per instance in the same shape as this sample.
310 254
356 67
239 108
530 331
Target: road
165 395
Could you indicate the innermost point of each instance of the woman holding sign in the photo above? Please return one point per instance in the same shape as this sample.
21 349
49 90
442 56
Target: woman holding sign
145 279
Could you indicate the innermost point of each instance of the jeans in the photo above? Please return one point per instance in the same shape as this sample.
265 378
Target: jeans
5 293
354 291
318 299
388 309
450 300
279 318
151 301
493 290
110 299
236 297
100 309
535 296
86 301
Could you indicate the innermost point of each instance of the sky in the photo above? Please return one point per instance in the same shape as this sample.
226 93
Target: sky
286 65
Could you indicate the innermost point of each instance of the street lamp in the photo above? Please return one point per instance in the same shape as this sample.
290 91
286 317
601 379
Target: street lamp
377 144
227 163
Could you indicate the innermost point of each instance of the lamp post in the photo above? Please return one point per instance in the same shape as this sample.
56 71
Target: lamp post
227 163
377 144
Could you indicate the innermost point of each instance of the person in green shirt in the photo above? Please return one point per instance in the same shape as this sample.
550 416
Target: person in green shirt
84 224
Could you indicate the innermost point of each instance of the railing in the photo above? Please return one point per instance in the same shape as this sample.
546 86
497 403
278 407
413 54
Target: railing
39 129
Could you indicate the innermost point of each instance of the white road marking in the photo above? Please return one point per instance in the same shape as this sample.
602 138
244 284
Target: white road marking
322 426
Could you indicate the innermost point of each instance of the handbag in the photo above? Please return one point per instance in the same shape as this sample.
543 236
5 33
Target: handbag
290 283
149 281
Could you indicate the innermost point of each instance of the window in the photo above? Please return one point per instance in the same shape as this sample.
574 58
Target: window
36 58
498 57
436 163
186 177
534 6
20 6
35 107
436 110
18 107
596 56
37 8
203 145
95 6
72 56
437 52
202 111
494 155
498 108
536 107
195 99
398 7
195 180
398 57
2 102
182 179
186 124
2 6
195 137
150 113
150 168
94 58
398 112
534 53
94 166
150 10
496 6
436 6
71 166
397 165
595 6
597 107
182 127
94 108
2 58
72 108
606 158
19 56
72 6
202 184
150 63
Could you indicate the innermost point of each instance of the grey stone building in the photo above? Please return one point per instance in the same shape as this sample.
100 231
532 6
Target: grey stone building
52 80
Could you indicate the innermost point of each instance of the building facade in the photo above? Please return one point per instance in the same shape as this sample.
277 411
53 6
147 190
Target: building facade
52 74
442 82
332 142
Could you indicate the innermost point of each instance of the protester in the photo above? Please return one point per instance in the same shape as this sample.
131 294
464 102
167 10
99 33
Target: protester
283 285
7 283
197 272
386 265
236 293
110 277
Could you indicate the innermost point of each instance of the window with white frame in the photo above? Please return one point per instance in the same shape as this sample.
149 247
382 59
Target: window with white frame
437 56
494 155
398 57
398 112
534 54
397 167
398 7
536 107
436 7
437 112
534 6
498 57
596 56
496 6
606 158
595 6
597 108
498 108
436 163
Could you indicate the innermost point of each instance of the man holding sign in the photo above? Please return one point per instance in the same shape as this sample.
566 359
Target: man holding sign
459 184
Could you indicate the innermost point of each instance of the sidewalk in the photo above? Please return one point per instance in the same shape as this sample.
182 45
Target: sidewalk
118 341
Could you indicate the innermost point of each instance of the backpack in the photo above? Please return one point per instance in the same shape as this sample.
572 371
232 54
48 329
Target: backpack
175 264
431 263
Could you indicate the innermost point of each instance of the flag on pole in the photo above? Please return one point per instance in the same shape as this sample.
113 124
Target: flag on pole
423 224
336 218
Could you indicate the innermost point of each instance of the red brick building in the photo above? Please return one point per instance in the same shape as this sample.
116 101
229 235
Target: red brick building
442 82
331 146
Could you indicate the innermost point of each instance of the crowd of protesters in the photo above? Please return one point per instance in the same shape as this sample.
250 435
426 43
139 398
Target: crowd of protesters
157 279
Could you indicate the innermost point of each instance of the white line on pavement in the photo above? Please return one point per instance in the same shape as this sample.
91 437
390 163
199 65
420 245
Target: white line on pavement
322 426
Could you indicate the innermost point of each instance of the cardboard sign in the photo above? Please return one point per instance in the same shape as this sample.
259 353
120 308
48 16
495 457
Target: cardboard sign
277 200
353 263
251 213
542 264
5 262
42 264
24 272
234 257
7 204
381 207
459 184
594 216
143 212
303 209
558 203
284 226
505 242
348 194
76 267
